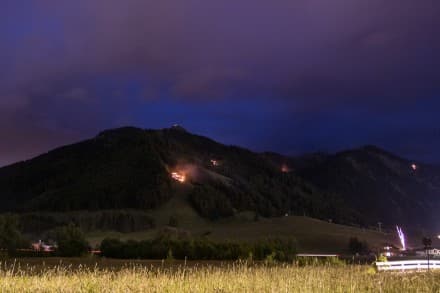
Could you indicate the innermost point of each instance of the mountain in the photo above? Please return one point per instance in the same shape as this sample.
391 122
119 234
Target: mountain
132 168
381 186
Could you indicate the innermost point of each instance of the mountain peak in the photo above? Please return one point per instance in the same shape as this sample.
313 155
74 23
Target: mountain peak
178 127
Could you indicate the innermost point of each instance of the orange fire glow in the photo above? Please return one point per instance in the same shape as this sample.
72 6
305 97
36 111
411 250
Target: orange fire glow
178 176
285 168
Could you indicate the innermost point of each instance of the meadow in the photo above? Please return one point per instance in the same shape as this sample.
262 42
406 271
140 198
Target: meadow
312 235
117 276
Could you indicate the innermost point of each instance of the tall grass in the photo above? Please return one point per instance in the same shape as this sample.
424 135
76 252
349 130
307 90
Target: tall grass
236 277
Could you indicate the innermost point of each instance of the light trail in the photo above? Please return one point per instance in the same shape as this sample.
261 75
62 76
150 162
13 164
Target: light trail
401 237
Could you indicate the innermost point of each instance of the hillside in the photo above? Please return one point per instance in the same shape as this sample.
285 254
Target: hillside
131 168
136 169
381 186
311 235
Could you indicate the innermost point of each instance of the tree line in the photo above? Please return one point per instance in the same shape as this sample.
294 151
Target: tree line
199 249
70 239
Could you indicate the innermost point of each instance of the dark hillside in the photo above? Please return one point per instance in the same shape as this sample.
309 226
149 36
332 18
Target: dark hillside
115 169
131 168
378 184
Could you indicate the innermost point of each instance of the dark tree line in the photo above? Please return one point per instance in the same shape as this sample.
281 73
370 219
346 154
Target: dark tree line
70 239
357 247
198 249
10 236
124 221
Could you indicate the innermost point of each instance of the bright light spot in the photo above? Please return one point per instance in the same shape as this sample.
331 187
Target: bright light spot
285 168
178 177
414 167
438 236
401 237
214 162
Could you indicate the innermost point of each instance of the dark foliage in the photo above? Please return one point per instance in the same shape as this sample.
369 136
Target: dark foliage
357 247
124 221
10 236
198 249
211 202
71 241
173 221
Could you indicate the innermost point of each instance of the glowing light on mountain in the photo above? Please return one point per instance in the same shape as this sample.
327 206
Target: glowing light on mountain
178 176
285 168
214 162
401 237
414 167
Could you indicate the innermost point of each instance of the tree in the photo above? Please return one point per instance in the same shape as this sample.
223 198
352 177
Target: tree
10 236
173 222
211 201
357 247
112 247
71 241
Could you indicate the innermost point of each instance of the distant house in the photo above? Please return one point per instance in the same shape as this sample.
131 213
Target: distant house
431 252
390 250
43 247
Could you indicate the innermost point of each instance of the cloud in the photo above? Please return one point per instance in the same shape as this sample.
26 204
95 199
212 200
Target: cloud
76 94
299 49
63 59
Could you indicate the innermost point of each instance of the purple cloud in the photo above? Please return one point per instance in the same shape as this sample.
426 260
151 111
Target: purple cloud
314 54
200 48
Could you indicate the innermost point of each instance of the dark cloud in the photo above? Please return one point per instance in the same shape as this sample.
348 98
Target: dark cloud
64 59
201 48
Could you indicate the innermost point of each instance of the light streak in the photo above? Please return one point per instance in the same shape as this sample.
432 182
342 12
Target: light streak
401 237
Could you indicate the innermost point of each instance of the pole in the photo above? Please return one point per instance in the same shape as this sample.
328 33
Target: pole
428 259
427 242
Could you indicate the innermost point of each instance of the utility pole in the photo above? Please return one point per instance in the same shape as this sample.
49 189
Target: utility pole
427 243
380 226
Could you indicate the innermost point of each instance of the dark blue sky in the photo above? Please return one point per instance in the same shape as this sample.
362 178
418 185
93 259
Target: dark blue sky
287 76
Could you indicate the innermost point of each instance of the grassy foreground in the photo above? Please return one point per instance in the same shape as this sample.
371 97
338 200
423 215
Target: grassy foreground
215 278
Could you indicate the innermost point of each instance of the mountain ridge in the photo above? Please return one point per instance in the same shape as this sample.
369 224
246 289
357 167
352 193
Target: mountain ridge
130 167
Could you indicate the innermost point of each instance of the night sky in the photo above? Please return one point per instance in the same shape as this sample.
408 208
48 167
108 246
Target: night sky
292 76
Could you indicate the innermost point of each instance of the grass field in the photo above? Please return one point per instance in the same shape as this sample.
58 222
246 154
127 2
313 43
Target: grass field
311 234
207 277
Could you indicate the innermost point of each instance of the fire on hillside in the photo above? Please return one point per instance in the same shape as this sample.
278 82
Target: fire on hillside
285 168
180 177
